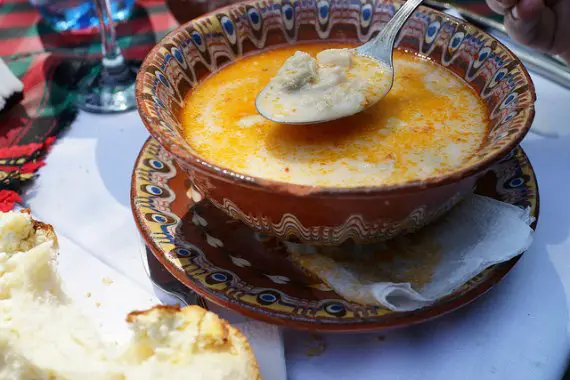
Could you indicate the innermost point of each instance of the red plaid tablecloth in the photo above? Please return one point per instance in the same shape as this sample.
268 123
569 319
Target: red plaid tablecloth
50 64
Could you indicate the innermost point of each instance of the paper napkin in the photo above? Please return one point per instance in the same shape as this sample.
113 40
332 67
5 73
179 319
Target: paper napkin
416 270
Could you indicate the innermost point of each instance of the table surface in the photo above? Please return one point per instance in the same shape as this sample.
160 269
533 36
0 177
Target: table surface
519 330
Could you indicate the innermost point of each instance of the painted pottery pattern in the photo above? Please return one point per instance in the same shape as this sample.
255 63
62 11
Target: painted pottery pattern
229 263
355 227
199 48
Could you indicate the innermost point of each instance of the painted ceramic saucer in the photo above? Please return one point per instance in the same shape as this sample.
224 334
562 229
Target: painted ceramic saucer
227 263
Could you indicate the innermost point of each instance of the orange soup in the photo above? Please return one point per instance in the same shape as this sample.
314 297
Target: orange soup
429 123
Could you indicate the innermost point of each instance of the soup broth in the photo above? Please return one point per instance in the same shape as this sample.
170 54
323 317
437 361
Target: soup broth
429 123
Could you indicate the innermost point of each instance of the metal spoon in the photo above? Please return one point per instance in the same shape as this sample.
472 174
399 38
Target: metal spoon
379 48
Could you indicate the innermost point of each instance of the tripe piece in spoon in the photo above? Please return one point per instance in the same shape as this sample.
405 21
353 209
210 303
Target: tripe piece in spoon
336 84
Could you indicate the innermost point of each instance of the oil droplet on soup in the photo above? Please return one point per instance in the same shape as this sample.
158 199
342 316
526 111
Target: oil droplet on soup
430 123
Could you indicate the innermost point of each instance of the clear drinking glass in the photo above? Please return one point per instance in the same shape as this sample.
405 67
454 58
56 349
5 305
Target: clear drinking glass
109 86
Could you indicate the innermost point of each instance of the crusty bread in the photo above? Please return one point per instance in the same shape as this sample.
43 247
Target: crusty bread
43 335
19 232
190 337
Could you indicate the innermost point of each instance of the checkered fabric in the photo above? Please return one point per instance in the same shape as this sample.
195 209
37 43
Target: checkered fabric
50 64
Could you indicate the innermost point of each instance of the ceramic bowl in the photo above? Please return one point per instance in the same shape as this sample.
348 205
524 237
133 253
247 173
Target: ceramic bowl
318 215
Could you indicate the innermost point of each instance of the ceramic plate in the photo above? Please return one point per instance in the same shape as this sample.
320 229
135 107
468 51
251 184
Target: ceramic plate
227 263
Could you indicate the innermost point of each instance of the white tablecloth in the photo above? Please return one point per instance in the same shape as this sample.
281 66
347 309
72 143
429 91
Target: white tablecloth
519 330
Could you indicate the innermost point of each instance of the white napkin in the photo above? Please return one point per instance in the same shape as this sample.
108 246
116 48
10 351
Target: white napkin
9 84
414 271
107 296
267 344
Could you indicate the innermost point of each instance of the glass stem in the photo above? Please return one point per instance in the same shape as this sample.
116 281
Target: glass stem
112 57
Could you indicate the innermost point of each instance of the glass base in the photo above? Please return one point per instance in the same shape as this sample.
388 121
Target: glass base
108 89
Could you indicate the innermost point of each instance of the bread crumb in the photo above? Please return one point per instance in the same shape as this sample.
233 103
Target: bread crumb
97 304
107 280
88 294
317 347
316 350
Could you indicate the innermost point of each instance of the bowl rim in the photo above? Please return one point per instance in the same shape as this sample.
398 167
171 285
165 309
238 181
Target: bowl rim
187 157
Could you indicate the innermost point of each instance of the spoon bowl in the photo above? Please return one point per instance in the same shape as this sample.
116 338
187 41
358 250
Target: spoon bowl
378 50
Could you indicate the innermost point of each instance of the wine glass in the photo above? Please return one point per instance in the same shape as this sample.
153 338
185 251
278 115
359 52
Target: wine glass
109 86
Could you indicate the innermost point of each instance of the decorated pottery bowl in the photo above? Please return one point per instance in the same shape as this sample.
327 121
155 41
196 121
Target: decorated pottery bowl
324 215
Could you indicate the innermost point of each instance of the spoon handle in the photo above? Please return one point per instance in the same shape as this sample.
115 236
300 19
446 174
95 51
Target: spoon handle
382 45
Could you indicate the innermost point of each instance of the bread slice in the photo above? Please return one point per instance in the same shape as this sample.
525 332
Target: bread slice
19 232
44 335
174 340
